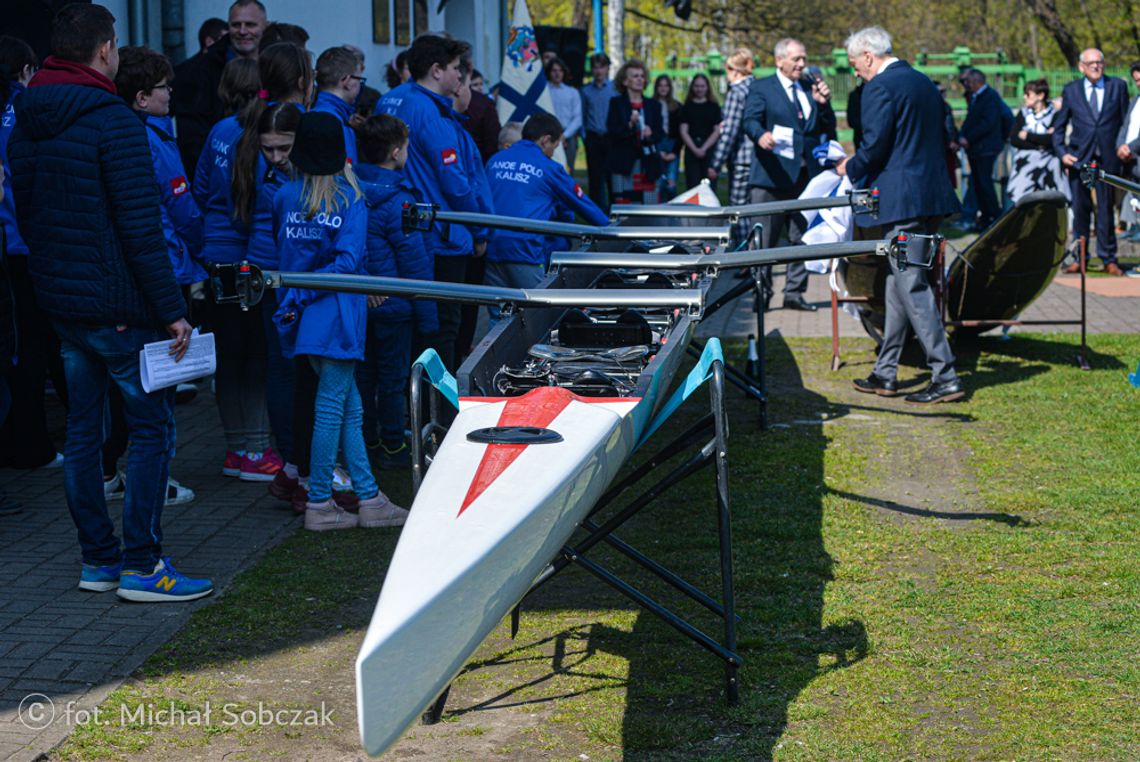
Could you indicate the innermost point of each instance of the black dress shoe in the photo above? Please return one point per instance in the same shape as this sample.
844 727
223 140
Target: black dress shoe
799 304
947 391
872 384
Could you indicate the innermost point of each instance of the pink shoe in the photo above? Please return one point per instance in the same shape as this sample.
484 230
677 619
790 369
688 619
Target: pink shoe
260 466
232 466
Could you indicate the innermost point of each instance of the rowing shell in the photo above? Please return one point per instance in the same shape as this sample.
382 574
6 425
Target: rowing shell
486 521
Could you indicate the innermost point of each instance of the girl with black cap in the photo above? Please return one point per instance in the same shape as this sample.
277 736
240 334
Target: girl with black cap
321 222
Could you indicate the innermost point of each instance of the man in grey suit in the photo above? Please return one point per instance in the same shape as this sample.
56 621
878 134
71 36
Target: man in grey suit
785 120
902 156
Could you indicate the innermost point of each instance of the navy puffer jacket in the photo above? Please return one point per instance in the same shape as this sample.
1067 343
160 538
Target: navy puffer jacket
89 207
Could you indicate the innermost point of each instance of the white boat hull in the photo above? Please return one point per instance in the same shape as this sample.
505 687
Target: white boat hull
487 520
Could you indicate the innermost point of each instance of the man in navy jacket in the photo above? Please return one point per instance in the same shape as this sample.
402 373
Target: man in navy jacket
89 212
785 120
983 135
902 156
1096 107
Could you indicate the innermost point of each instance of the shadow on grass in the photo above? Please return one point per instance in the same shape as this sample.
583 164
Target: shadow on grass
1008 519
1024 347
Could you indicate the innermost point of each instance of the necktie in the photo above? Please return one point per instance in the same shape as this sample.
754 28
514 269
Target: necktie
1093 105
796 102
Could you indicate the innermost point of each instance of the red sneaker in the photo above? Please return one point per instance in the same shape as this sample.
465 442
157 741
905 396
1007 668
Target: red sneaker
260 466
232 466
282 486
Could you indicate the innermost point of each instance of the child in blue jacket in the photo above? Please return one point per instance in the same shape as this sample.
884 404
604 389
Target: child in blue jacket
525 180
143 81
383 376
321 222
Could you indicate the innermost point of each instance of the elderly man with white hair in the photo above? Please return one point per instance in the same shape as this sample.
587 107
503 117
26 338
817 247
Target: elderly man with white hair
902 156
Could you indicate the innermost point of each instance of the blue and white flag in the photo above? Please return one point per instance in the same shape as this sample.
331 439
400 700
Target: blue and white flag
522 87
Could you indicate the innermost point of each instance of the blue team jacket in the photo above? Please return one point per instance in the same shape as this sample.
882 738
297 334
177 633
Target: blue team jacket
390 251
225 241
262 248
470 156
435 165
528 184
15 243
332 104
181 218
327 323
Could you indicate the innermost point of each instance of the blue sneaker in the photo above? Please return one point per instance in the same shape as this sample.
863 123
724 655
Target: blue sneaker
100 579
165 584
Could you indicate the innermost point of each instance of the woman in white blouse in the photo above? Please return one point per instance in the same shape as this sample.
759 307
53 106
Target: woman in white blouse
567 107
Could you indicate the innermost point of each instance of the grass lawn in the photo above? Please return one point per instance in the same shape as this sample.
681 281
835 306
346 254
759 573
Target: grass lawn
952 583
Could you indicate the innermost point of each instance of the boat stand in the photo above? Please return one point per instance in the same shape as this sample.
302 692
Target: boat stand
941 297
706 443
751 380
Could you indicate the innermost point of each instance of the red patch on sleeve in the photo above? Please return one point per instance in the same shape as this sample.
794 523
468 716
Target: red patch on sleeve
449 156
179 186
577 190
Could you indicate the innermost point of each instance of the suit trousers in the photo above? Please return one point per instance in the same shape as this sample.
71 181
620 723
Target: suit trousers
982 172
597 154
797 279
1083 207
910 304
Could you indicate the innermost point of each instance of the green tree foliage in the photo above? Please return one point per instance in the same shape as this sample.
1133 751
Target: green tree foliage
1047 33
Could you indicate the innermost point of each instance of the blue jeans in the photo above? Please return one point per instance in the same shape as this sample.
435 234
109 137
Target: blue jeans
337 418
383 379
91 354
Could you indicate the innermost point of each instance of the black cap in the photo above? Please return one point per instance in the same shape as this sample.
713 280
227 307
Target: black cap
318 148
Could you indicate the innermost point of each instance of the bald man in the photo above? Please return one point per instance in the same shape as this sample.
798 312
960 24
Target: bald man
1096 107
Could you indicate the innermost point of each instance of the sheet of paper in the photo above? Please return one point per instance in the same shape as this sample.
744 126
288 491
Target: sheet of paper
785 137
159 370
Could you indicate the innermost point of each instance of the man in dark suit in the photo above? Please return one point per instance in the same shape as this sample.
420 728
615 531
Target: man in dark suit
1095 106
785 120
902 156
983 135
195 102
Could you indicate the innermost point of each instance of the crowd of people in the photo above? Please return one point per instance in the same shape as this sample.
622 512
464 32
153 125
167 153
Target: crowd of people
129 180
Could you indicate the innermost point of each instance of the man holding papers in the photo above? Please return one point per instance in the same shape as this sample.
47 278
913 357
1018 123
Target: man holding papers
786 115
82 169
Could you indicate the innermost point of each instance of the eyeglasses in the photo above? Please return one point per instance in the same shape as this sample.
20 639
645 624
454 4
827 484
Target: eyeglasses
1094 63
167 88
361 79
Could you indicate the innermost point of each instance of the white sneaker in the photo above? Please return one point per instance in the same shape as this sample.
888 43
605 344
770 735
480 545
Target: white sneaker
176 494
321 517
341 481
116 488
379 511
1134 272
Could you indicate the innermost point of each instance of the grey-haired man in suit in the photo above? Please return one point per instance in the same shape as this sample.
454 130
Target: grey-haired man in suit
902 156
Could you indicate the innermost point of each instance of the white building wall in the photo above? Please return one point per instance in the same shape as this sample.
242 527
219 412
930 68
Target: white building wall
339 22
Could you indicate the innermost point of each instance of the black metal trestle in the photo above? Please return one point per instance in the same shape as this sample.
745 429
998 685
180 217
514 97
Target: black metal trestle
705 443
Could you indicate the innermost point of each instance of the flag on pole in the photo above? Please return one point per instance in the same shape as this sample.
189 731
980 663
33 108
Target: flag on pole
522 87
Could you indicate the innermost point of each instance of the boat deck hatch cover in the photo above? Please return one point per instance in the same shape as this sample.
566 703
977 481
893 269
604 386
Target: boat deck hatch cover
517 435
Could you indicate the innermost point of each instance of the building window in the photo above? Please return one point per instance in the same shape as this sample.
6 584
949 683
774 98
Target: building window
381 21
403 22
421 15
